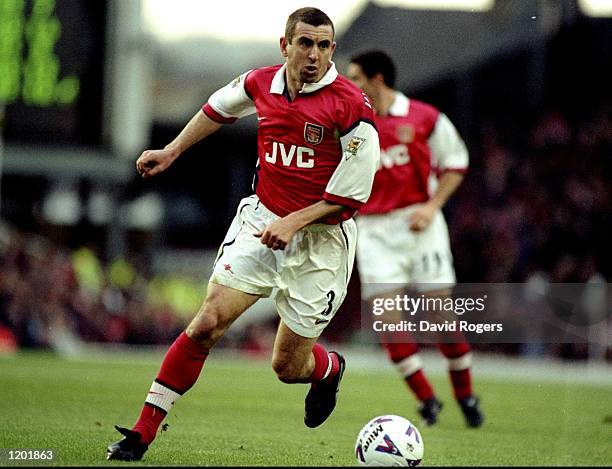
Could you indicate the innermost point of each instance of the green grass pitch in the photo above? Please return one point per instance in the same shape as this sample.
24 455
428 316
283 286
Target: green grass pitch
238 414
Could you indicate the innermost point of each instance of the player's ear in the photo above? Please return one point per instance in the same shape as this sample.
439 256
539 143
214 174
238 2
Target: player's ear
283 46
379 78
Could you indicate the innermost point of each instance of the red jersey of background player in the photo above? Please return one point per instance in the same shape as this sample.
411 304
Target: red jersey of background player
417 144
321 145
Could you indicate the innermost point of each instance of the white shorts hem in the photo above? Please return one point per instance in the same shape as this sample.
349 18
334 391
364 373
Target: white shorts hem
239 285
303 331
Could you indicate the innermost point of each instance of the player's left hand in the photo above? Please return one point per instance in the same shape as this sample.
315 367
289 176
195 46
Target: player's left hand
422 216
278 234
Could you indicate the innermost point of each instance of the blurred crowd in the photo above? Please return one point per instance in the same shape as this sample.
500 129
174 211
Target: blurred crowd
56 298
540 210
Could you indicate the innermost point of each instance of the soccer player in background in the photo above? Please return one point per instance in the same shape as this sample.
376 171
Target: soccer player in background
403 237
318 152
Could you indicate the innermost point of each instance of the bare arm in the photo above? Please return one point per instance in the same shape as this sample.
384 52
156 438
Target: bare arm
449 182
423 214
451 153
279 233
153 162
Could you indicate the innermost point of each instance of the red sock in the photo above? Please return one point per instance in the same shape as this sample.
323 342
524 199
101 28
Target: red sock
182 364
404 356
400 350
459 361
178 373
462 383
455 349
149 421
326 366
420 386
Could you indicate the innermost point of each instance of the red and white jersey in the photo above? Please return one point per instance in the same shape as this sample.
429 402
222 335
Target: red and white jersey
418 143
323 145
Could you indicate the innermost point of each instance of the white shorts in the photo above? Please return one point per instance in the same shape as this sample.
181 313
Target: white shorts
388 252
311 274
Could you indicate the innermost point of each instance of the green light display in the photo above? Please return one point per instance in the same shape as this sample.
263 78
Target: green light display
30 70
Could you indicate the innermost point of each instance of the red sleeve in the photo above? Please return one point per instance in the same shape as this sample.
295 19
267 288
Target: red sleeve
215 116
336 199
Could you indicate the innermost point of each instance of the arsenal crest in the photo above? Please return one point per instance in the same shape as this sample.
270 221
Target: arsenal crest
405 133
313 133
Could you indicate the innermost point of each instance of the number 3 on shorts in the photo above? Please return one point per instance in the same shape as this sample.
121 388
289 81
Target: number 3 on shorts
330 296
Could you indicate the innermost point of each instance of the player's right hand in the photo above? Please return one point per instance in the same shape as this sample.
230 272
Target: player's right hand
278 234
422 216
153 162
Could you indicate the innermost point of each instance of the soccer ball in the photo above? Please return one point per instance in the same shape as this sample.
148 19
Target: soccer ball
389 440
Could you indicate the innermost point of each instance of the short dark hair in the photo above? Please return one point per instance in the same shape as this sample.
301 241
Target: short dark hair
308 15
376 61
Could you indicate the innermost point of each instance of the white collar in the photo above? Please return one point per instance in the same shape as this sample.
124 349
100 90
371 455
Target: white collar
278 82
400 106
